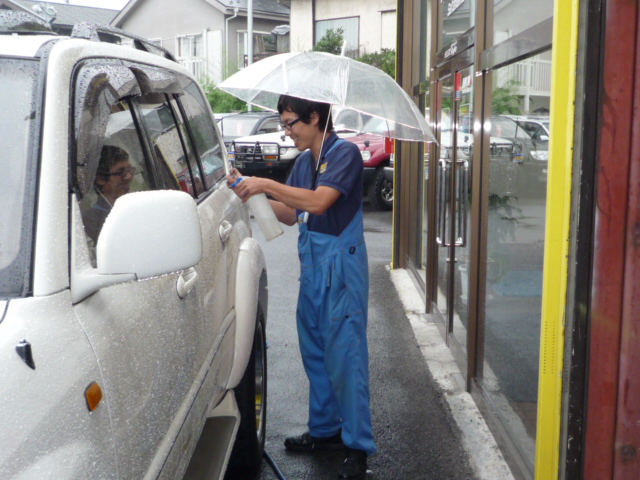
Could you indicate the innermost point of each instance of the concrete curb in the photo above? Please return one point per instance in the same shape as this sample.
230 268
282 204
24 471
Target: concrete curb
484 455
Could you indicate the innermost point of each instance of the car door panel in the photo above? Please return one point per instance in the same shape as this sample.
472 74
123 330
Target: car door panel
48 401
146 339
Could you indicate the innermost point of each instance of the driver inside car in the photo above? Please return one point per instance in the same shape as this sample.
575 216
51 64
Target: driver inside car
113 179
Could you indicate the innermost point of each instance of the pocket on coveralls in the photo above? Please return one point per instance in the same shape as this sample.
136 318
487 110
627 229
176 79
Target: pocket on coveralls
343 296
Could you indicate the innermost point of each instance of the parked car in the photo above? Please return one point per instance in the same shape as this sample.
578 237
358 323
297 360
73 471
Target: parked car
133 299
530 138
244 124
538 127
268 155
376 152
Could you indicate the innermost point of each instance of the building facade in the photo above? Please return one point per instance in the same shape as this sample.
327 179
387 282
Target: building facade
208 37
367 27
520 225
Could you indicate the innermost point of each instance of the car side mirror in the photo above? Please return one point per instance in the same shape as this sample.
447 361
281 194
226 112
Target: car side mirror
149 234
544 138
146 234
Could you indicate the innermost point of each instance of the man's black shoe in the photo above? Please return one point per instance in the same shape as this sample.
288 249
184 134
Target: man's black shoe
307 443
354 466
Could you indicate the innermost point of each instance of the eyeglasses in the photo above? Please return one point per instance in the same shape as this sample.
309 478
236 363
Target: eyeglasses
123 172
288 125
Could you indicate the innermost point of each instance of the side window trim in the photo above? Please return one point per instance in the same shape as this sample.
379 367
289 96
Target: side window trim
183 141
149 156
187 126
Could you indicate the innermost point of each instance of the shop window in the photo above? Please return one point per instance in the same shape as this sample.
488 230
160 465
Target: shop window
516 216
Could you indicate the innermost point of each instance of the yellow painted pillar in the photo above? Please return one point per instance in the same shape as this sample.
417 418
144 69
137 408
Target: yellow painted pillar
564 64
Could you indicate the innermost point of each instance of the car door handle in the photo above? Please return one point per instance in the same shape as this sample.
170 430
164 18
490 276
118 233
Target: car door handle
186 281
225 230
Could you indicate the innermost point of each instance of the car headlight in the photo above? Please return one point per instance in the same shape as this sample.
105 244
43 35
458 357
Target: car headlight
540 155
366 155
270 149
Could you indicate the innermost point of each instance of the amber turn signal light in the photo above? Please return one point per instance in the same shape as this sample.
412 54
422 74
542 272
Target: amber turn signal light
93 396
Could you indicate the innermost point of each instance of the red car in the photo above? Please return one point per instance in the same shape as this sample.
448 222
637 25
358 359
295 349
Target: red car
376 153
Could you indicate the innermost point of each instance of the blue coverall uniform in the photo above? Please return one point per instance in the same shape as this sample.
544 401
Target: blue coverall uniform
333 298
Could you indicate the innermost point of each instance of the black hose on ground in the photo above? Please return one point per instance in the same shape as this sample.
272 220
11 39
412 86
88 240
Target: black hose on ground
273 465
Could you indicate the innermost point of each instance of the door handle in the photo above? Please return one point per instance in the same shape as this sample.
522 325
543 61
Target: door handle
443 194
186 281
462 188
225 230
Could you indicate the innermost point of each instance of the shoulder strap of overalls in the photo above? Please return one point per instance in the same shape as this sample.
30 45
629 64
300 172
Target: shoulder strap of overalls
315 169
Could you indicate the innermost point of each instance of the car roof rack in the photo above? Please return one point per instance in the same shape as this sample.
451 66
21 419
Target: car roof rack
24 23
108 34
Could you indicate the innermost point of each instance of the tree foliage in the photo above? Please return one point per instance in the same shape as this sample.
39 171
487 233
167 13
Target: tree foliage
506 99
385 60
331 42
221 102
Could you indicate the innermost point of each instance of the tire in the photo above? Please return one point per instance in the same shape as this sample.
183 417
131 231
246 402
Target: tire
380 191
251 395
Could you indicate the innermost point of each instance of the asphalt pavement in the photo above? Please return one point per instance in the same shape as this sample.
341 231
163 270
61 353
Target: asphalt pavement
425 425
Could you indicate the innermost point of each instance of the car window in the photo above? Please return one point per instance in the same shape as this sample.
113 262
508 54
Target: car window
17 103
507 128
208 143
99 86
269 126
120 168
173 166
237 125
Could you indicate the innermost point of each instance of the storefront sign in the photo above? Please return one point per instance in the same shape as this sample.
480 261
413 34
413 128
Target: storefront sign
451 51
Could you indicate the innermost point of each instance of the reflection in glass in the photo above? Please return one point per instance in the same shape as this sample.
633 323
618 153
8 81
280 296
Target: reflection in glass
512 17
457 16
425 195
464 149
515 243
444 105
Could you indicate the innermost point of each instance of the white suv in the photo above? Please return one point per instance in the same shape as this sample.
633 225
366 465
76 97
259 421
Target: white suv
268 155
132 296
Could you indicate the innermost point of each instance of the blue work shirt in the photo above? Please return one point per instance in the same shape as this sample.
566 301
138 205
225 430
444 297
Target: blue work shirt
341 168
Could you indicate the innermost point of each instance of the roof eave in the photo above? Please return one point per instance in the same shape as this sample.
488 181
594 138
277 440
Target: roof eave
124 12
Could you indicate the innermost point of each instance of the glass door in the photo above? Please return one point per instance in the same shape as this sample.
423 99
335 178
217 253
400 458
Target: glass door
454 116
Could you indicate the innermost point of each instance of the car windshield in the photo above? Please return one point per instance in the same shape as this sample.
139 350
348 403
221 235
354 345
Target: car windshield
17 78
237 125
375 125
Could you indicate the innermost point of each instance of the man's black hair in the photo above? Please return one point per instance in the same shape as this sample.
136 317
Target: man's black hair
304 108
109 156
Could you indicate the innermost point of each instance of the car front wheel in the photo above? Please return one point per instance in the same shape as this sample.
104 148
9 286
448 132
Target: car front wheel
380 191
251 395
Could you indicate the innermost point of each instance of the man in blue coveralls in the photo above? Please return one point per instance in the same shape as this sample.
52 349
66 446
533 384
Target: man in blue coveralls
325 198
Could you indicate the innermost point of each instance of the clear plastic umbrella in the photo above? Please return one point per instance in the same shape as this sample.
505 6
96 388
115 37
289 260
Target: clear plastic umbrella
348 85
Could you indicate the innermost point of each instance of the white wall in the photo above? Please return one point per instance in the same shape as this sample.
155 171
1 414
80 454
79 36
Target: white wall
169 19
377 25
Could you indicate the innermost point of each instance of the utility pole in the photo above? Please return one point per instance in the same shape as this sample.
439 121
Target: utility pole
250 39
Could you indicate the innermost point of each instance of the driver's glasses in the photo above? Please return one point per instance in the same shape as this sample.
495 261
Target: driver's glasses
288 125
123 172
